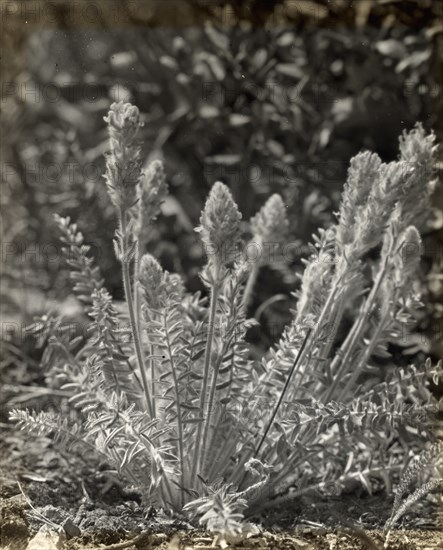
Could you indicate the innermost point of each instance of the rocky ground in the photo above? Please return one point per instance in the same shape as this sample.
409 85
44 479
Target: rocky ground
53 501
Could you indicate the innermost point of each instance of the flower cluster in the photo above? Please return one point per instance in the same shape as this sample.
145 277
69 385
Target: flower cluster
373 190
151 278
123 166
153 190
270 224
220 225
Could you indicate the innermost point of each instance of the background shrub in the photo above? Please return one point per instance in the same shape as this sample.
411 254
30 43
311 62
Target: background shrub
266 96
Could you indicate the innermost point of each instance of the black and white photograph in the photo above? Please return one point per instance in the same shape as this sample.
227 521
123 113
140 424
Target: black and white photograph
221 274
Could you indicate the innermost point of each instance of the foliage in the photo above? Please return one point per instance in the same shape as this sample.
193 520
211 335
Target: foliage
285 86
166 389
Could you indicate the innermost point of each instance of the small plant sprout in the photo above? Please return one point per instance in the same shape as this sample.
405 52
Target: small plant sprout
165 389
429 460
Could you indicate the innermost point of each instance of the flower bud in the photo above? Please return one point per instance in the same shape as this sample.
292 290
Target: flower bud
408 257
271 223
124 122
153 191
151 278
220 224
123 167
363 175
175 284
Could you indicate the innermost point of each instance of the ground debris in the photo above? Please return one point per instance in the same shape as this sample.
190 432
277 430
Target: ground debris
71 529
47 539
14 527
116 519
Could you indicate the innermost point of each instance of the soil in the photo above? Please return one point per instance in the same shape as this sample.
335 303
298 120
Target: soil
59 501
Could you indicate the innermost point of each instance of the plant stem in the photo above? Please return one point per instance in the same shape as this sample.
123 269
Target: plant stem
253 274
167 486
325 347
329 302
282 394
132 316
177 399
222 455
230 430
135 286
152 365
353 337
308 342
279 402
331 310
364 359
215 290
137 307
208 413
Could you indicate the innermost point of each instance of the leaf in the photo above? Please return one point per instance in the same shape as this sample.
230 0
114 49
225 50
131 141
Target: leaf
216 67
276 148
365 482
225 400
236 119
130 453
286 39
228 368
209 111
114 433
33 477
169 62
414 60
195 375
282 447
189 407
170 406
324 136
391 48
220 40
290 69
192 420
343 109
227 160
260 58
197 356
223 385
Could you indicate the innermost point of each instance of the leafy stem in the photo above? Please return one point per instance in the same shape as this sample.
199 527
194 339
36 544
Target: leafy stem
253 274
125 262
180 434
215 291
353 337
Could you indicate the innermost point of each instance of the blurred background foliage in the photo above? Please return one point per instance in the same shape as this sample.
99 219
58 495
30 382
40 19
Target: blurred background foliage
266 96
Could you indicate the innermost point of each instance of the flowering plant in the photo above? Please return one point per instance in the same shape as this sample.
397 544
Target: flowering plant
167 392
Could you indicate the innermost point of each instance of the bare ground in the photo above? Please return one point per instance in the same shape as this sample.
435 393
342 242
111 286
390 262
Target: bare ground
43 490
